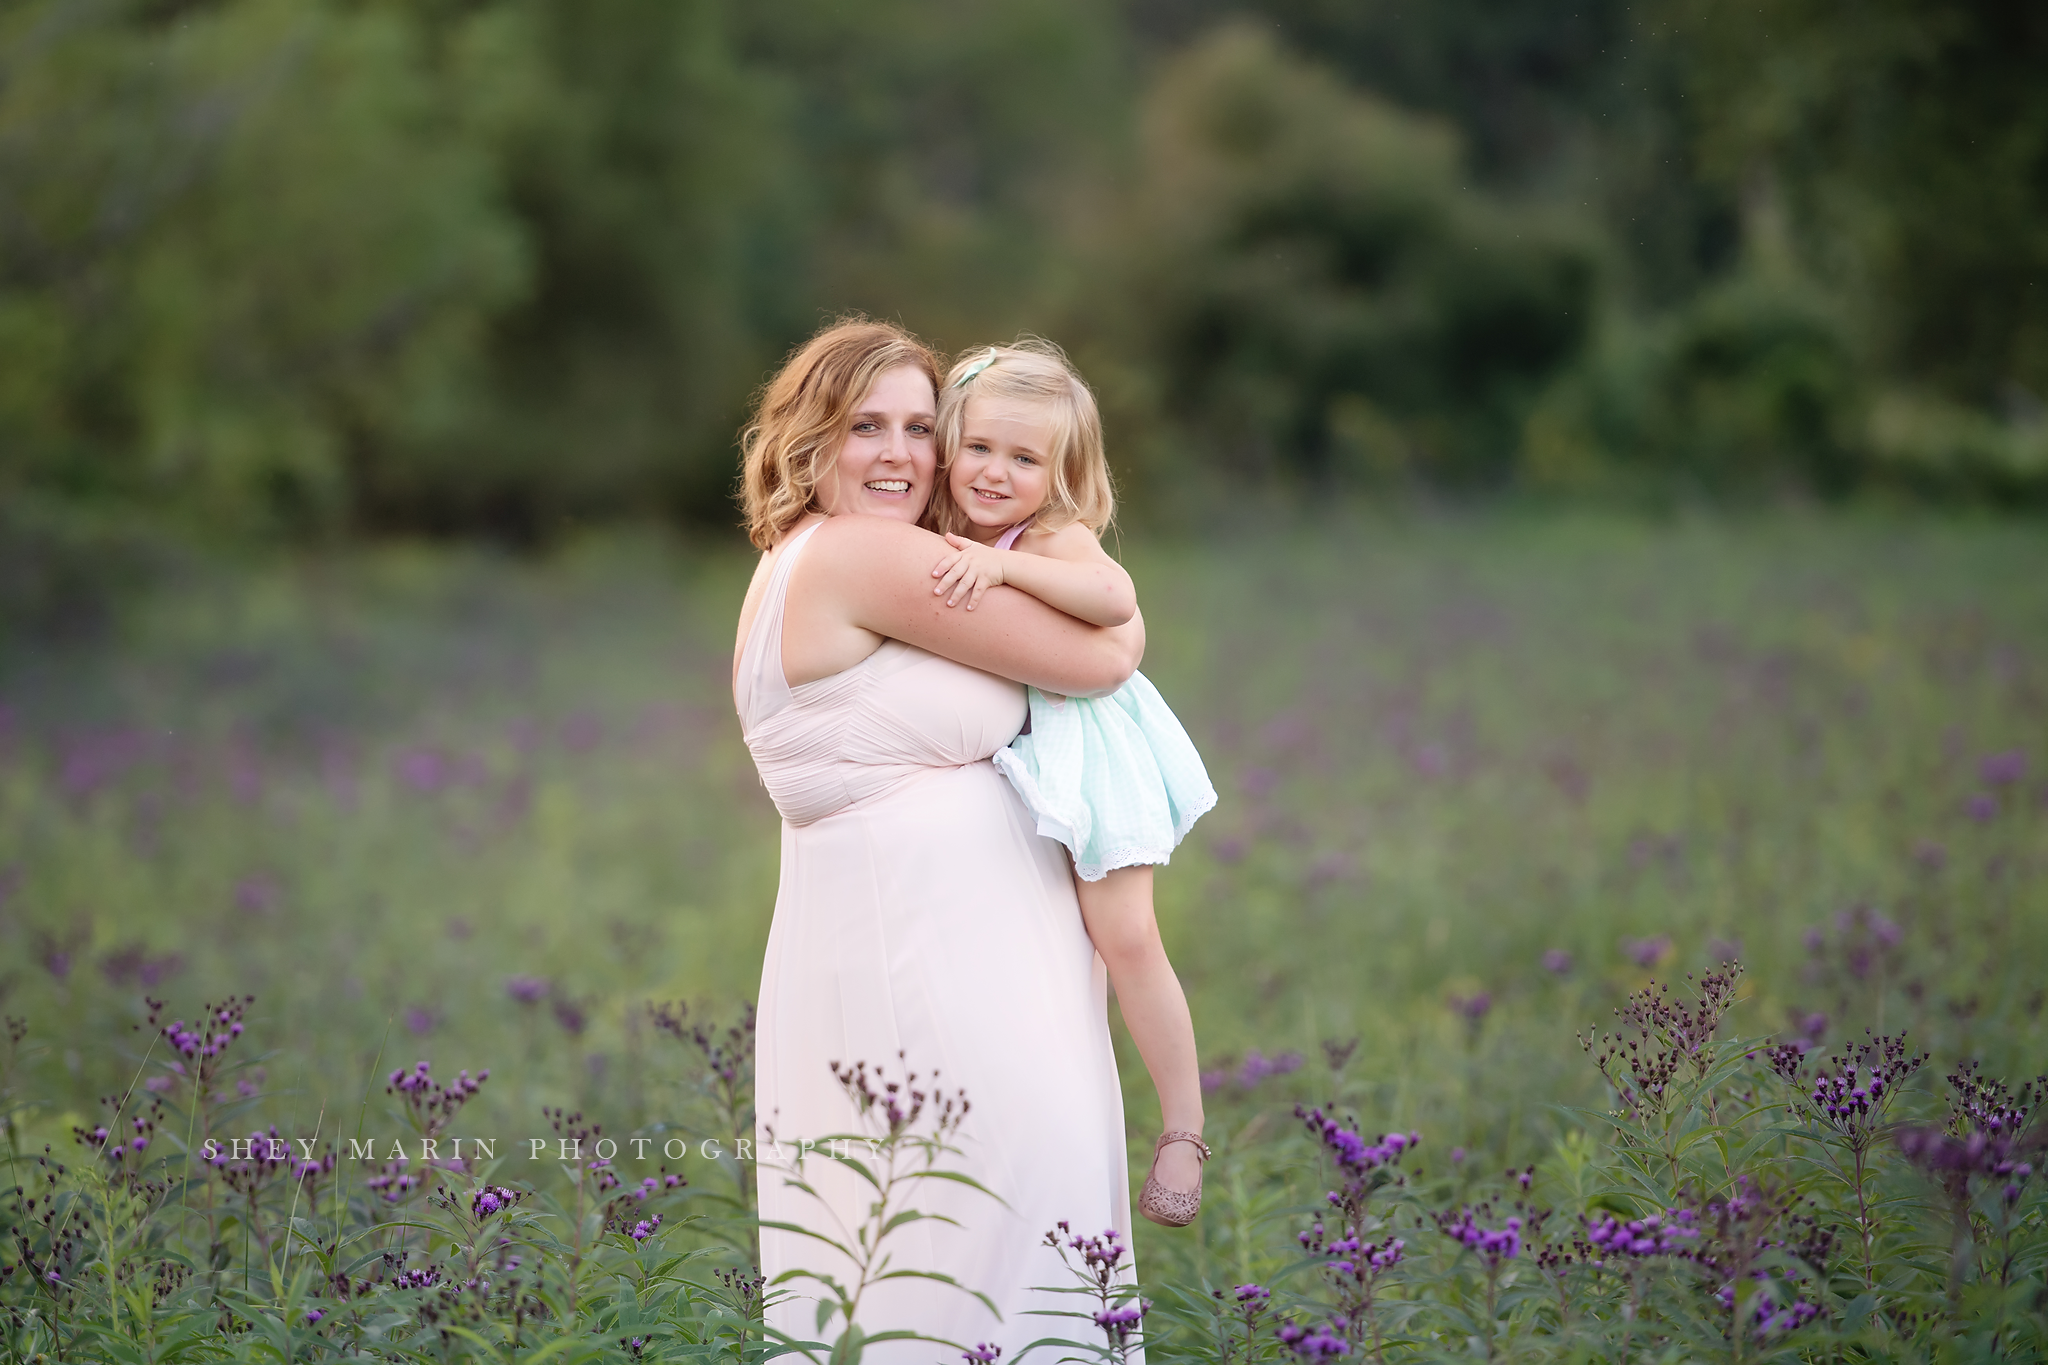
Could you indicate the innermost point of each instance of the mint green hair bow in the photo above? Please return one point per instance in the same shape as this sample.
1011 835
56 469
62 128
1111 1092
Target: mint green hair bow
976 368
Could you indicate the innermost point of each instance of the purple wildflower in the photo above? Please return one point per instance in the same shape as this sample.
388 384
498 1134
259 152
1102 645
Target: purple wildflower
491 1199
1313 1343
1494 1245
1258 783
2003 769
645 1228
1646 952
984 1353
1258 1067
424 770
257 894
313 1315
1671 1233
527 990
1352 1153
1852 1091
1982 807
1812 1027
1558 962
1230 850
1120 1322
1772 1321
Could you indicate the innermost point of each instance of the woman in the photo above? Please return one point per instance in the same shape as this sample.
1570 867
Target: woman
920 914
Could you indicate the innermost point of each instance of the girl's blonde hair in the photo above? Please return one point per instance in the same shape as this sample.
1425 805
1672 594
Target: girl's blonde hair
792 439
1037 372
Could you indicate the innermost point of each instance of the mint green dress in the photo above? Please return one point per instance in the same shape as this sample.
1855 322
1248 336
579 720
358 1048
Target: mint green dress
1116 779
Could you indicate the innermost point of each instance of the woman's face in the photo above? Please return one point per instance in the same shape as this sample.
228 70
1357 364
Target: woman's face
886 467
1000 475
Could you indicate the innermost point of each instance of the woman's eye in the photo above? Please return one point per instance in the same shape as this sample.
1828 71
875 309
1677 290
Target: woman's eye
863 428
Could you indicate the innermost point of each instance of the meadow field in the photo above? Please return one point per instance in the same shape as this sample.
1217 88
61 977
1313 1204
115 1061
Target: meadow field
1483 776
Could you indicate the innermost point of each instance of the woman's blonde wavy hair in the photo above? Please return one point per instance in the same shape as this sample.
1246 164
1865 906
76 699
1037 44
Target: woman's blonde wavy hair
1032 370
792 439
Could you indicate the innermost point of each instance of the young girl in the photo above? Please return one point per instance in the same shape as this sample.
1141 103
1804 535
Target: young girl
1026 494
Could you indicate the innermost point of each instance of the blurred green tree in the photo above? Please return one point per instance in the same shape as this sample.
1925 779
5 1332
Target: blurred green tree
294 268
1897 153
1752 386
1318 290
241 246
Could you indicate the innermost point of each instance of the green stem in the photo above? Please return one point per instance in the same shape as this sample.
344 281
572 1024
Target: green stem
1492 1298
1863 1220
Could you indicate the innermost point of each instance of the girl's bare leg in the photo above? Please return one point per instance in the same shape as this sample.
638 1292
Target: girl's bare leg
1118 913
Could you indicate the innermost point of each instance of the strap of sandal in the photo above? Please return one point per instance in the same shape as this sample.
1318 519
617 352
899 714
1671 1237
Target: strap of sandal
1195 1138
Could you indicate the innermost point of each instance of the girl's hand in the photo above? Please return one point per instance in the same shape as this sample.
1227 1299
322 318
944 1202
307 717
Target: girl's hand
971 570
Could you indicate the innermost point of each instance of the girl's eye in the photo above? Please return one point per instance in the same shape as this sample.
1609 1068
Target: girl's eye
1026 459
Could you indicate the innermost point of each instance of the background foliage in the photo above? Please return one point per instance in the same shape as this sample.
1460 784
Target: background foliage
313 268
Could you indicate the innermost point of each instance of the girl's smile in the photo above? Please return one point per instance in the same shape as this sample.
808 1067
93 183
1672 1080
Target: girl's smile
1000 474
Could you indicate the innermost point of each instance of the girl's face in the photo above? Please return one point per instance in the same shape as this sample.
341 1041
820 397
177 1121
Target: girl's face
1002 473
888 464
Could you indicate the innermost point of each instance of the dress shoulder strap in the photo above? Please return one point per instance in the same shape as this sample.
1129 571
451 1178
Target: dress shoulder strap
760 688
1008 539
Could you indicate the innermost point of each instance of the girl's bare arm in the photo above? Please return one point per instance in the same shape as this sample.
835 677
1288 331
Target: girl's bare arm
1066 569
868 577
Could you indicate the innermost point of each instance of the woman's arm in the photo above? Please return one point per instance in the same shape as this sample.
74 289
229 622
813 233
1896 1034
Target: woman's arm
865 576
1066 569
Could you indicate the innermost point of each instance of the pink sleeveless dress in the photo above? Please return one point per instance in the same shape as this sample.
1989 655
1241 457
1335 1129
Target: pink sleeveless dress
920 912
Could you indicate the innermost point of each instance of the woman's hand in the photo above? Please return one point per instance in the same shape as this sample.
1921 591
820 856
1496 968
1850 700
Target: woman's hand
969 571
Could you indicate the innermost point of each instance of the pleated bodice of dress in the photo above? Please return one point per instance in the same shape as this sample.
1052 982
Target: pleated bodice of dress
826 746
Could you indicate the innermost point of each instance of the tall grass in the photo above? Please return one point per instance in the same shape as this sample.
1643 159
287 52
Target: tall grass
1483 779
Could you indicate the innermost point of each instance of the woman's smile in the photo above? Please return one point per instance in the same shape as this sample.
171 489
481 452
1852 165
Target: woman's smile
887 464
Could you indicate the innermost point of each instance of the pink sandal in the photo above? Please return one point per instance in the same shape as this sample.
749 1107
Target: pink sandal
1172 1208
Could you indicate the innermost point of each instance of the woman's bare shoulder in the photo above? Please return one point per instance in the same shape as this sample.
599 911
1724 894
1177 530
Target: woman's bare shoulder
864 537
854 564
